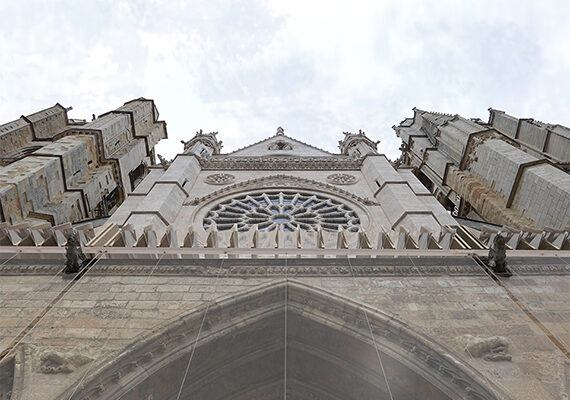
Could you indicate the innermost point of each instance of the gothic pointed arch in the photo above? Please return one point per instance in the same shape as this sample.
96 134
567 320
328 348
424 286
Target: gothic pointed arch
280 181
285 335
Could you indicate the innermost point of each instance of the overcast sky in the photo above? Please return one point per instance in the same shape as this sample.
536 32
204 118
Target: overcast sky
243 68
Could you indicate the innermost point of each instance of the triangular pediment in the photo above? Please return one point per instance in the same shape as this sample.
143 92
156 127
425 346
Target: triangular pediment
280 145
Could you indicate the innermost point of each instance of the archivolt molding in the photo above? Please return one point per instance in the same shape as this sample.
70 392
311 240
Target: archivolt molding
119 373
281 181
12 371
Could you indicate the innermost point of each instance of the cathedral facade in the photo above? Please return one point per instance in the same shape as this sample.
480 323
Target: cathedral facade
281 269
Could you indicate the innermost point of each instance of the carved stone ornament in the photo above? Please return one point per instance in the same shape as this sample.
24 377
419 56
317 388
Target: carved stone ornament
494 348
56 362
220 179
342 179
280 145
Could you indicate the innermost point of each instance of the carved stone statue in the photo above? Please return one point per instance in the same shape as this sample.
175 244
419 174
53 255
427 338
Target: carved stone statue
498 255
75 260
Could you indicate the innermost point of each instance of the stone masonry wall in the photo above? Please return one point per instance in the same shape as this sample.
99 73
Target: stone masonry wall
497 163
544 196
102 314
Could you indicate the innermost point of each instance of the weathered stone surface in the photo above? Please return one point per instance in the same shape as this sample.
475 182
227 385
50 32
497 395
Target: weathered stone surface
494 348
53 170
54 362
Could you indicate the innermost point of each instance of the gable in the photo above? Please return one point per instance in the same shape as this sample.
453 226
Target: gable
280 145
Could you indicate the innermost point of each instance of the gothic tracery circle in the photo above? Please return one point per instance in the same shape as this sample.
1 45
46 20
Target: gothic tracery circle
342 179
289 209
220 179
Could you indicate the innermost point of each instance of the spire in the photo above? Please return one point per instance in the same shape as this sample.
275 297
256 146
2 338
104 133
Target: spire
203 144
357 144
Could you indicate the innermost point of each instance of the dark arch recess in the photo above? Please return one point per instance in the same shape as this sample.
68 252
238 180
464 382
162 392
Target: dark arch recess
241 354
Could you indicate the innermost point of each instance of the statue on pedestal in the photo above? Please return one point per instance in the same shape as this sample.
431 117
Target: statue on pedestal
498 255
75 260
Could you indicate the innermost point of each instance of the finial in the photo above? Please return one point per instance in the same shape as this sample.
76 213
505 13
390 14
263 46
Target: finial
164 162
280 131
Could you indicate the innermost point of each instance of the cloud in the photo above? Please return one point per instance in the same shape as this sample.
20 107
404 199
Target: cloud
316 68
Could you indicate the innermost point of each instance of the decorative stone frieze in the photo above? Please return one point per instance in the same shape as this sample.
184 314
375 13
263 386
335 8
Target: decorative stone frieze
279 163
315 268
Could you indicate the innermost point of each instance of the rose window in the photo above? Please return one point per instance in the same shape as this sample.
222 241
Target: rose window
289 209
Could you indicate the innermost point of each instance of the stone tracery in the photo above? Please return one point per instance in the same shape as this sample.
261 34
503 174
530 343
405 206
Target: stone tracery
342 179
220 179
286 208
